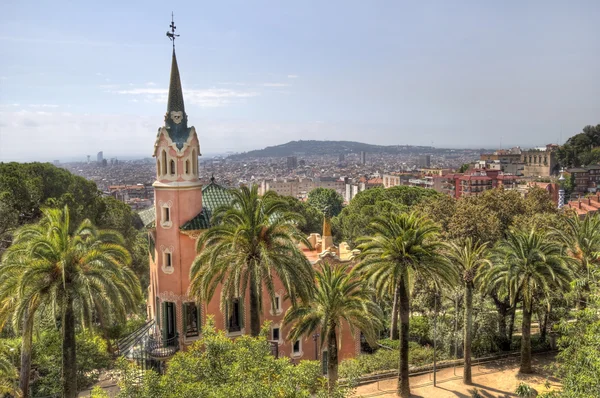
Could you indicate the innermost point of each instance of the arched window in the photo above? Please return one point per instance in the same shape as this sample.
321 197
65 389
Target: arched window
164 162
187 167
194 162
172 167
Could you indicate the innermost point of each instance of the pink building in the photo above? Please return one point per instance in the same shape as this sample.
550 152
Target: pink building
183 208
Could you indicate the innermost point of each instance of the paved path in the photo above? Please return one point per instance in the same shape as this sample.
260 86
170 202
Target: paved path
494 379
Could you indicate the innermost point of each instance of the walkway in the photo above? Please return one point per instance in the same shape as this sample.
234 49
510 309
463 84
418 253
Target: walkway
494 379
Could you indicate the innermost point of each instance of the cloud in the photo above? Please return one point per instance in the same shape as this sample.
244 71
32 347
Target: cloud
293 76
275 84
213 97
42 105
150 84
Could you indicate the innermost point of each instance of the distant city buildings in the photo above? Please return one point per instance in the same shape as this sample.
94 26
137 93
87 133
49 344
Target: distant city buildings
292 162
585 179
424 161
100 157
363 157
301 187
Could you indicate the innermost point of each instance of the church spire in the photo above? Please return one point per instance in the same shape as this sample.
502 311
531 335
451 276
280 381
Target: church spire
175 102
176 119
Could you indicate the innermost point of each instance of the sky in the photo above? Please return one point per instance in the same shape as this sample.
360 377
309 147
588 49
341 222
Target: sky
78 77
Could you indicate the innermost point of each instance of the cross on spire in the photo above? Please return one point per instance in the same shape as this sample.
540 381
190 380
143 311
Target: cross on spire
171 35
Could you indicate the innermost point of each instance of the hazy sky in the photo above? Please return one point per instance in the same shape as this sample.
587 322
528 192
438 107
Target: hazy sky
78 77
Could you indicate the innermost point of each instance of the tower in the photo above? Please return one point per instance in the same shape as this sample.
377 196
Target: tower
178 199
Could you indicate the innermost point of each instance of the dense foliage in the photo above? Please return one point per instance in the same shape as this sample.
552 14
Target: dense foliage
326 201
219 367
76 274
581 149
355 219
578 361
26 188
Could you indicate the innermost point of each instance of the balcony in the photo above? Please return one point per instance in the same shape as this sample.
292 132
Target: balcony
162 349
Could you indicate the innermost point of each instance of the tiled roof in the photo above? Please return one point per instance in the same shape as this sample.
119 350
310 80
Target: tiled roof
200 221
213 196
148 217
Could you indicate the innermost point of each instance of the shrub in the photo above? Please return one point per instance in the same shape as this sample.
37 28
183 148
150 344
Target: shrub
92 355
524 390
419 330
386 359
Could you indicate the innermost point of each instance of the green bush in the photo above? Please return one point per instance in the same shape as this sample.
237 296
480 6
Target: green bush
92 355
419 330
218 367
386 359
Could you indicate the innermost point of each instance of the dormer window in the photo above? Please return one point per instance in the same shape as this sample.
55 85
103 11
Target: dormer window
172 167
168 260
187 167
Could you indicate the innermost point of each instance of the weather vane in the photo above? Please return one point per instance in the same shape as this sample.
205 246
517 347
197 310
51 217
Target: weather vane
171 35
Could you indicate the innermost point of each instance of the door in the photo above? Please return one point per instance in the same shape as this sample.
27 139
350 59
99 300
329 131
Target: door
169 328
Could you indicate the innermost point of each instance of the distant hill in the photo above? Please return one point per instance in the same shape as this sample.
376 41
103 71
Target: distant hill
314 147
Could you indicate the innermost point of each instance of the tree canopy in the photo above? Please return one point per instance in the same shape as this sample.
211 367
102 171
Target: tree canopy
326 201
355 219
581 149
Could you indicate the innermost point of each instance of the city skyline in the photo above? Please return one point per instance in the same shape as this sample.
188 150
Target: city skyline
78 79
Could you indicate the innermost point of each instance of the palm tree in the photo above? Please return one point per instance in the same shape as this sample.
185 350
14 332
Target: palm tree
582 238
527 264
77 272
252 240
339 297
468 257
402 245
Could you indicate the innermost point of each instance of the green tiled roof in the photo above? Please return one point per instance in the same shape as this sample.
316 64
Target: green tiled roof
148 217
200 221
213 196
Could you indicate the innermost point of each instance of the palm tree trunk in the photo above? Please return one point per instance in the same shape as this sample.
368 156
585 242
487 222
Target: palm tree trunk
403 385
69 357
332 359
468 326
503 309
544 323
255 309
26 352
526 340
394 335
511 326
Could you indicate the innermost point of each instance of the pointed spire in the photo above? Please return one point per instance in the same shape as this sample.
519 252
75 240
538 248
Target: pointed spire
175 102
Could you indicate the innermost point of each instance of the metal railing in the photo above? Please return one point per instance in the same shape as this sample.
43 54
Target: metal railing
162 349
126 343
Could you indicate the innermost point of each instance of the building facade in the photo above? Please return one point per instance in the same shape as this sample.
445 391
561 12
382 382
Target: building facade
540 162
585 179
182 212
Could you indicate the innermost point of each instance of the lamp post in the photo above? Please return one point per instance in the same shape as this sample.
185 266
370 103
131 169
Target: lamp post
435 337
315 337
561 189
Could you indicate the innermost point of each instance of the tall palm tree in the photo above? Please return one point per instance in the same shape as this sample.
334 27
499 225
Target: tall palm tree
339 297
527 264
468 257
77 272
402 245
582 238
253 239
